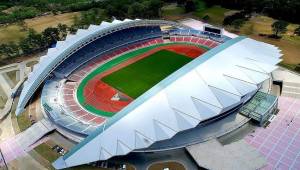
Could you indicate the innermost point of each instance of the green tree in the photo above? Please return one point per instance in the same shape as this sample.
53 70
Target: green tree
190 6
206 18
297 31
32 43
51 35
63 30
237 24
9 50
180 2
72 29
279 27
136 10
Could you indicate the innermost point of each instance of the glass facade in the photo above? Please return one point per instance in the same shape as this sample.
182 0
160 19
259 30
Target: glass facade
260 107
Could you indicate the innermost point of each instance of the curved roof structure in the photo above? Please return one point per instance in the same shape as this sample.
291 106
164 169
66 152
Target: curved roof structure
73 43
216 82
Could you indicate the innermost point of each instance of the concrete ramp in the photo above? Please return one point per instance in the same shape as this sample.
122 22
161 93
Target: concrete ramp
235 156
34 133
17 146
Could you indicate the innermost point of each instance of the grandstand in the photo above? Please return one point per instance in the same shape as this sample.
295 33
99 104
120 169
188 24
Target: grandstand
73 70
86 103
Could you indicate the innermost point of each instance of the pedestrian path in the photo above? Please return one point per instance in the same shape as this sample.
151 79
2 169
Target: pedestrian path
280 141
291 89
25 141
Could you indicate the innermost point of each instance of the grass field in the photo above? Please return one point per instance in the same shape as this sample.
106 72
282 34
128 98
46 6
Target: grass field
216 14
289 44
11 33
16 32
43 22
172 11
140 76
46 152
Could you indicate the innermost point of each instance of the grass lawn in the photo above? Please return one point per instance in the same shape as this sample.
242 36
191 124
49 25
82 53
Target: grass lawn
43 22
289 44
172 11
12 76
46 152
140 76
15 32
3 98
11 33
216 14
23 120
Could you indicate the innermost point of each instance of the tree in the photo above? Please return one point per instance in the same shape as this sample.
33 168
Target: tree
297 31
237 23
136 10
153 9
32 43
180 2
206 18
72 29
51 35
190 6
63 30
279 27
9 50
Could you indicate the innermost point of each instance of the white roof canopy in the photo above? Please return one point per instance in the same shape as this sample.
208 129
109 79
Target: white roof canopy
64 49
207 86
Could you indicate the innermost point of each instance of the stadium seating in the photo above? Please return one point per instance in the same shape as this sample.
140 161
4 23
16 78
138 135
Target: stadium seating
61 114
201 41
79 73
107 43
200 34
61 105
58 96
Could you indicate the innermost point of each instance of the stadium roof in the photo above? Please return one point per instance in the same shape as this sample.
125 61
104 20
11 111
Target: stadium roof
216 82
73 43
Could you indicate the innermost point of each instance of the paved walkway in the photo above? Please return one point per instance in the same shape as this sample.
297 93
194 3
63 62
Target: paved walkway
17 146
291 82
235 156
280 141
291 89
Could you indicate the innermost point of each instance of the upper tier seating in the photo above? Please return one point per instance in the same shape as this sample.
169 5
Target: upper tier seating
104 44
197 33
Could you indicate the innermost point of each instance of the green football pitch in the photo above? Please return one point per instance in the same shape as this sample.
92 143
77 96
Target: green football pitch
137 78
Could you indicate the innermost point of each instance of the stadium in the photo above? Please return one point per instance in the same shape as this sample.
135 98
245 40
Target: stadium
138 86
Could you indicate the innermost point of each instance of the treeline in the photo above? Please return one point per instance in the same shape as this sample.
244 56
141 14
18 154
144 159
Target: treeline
13 11
23 9
288 10
133 8
18 14
35 42
95 14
